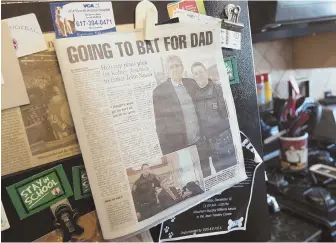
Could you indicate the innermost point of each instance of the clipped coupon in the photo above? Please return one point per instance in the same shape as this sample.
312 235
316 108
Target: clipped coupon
72 19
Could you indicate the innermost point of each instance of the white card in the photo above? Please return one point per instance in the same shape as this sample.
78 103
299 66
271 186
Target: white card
13 88
230 39
4 220
191 17
27 35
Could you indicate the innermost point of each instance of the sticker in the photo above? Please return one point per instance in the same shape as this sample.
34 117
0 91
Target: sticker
232 69
26 34
196 6
39 191
82 18
4 220
80 182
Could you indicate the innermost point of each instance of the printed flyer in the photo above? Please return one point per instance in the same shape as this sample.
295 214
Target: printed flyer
82 18
220 214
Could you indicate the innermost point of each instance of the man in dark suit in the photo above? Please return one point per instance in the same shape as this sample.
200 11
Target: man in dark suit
175 114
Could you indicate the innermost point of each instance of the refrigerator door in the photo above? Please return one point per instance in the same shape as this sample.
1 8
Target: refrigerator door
244 94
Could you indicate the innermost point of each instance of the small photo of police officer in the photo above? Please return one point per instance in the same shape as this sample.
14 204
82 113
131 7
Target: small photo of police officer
144 193
154 193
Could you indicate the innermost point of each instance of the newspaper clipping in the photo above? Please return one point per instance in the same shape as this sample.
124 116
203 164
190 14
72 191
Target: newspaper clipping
42 131
155 120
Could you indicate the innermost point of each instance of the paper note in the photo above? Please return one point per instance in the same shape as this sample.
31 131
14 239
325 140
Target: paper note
26 34
192 16
13 90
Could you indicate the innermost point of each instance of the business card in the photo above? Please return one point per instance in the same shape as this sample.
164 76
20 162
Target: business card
26 34
40 191
4 220
80 182
72 19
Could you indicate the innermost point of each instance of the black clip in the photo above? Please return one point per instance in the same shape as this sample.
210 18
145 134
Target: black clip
232 13
66 220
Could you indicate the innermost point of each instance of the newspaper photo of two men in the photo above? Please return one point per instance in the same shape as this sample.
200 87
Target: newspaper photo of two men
189 112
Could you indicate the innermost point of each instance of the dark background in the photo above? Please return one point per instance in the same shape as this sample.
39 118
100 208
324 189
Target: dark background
244 95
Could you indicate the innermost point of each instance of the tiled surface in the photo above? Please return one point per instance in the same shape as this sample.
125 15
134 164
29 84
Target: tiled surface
276 57
273 56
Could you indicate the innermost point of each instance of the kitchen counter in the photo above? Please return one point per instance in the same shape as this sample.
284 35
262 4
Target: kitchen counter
288 227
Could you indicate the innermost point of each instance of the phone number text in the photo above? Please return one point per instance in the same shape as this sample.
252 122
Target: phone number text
93 22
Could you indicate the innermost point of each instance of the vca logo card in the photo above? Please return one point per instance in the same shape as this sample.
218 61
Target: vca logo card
73 19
